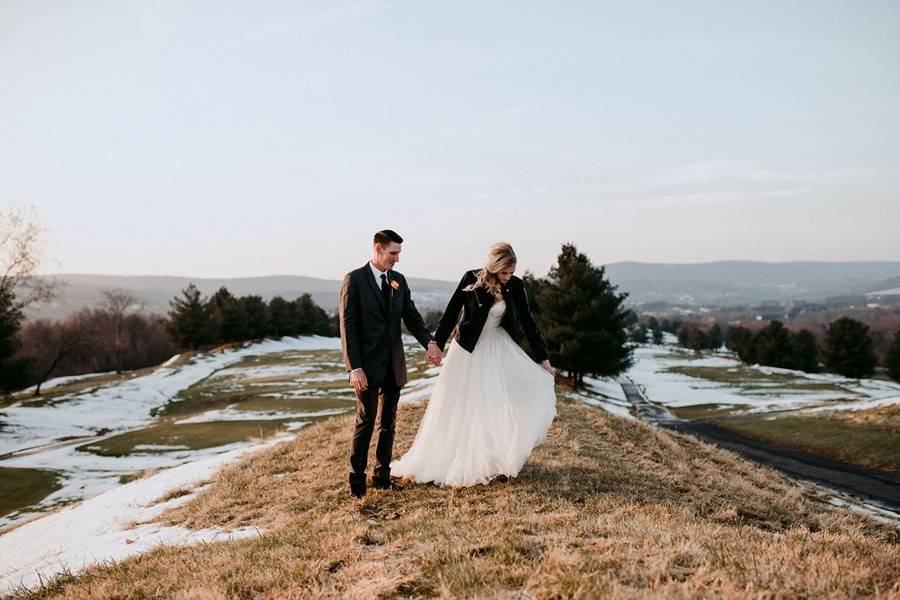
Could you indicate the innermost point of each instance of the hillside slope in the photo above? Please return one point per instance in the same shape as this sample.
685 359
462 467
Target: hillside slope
605 507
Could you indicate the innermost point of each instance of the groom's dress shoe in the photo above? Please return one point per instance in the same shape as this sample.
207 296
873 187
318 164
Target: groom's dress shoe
358 489
385 484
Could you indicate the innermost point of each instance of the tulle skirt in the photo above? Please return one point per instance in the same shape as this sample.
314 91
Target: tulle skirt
489 409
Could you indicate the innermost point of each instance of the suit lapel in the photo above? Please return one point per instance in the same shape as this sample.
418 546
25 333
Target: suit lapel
376 288
395 296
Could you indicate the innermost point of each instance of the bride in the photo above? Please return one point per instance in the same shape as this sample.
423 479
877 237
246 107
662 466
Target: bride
491 404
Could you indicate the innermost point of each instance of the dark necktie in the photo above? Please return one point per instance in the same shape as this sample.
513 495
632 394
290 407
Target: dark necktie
385 291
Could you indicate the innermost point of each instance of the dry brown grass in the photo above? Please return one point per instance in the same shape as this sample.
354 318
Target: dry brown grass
605 507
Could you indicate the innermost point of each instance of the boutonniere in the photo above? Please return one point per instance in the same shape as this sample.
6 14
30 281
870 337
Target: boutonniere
395 284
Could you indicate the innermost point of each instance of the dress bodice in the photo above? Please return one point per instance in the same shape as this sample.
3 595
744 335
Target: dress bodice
495 315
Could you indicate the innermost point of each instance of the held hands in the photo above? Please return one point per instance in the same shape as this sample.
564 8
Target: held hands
433 354
548 367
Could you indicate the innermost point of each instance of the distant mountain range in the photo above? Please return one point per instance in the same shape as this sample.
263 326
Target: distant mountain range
730 283
725 283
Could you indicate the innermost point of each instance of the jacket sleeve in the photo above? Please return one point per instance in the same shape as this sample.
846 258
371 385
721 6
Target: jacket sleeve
413 319
451 314
532 333
348 317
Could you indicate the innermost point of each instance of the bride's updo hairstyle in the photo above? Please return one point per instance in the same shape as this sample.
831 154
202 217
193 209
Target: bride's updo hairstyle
500 257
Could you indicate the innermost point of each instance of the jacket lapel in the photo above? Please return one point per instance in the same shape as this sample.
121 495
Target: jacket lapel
376 288
485 297
395 295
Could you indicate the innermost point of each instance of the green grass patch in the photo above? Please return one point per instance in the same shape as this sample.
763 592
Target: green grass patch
706 411
873 444
20 488
295 404
193 436
756 382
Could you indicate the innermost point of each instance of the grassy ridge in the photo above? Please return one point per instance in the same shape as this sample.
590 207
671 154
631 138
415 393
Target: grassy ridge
605 507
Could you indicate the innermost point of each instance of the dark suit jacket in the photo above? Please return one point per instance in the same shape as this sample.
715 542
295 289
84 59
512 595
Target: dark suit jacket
475 306
370 331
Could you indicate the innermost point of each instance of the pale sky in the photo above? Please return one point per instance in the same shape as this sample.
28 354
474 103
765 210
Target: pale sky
226 139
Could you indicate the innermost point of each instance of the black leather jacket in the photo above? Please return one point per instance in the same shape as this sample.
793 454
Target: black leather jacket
475 306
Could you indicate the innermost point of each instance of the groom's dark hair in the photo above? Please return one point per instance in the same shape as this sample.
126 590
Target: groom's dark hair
386 236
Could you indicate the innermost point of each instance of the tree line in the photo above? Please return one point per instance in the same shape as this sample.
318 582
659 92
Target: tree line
848 348
195 322
109 337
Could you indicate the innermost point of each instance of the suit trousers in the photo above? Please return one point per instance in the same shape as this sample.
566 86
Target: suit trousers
384 394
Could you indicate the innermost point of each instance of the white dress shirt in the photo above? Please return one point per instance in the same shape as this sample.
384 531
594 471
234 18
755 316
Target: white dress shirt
377 274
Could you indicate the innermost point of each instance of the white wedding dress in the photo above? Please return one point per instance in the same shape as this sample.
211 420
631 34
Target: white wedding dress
489 409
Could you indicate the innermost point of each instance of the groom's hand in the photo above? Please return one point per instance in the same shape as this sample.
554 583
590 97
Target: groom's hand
358 380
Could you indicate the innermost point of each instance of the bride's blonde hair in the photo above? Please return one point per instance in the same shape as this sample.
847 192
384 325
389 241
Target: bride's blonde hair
500 257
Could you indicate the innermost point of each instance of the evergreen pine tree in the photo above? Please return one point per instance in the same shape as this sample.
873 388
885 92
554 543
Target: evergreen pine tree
217 306
773 345
655 330
310 317
804 351
12 371
639 335
188 324
281 318
892 360
236 323
740 341
10 322
697 340
230 321
714 337
582 318
631 318
848 349
257 316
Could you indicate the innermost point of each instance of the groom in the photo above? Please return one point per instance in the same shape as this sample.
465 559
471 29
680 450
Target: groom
374 298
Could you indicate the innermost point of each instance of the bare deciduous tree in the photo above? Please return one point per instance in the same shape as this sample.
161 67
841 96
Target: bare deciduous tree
54 345
116 304
20 257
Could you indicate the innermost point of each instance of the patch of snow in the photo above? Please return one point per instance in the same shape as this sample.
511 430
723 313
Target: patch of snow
258 372
124 406
607 386
57 381
420 389
854 406
100 528
650 371
85 474
127 404
233 414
